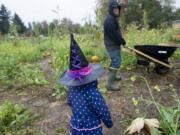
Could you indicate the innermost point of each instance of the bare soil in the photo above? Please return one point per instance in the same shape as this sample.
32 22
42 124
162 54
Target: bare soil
54 113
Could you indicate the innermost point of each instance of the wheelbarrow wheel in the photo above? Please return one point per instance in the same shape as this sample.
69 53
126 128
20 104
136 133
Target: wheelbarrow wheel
159 69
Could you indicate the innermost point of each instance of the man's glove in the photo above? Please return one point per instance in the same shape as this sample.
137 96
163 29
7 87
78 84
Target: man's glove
123 42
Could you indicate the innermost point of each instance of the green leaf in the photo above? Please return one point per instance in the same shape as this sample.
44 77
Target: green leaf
157 88
178 132
133 78
135 101
155 131
168 123
60 130
168 116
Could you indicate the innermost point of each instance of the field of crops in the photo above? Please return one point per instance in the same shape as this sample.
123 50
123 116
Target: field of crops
31 67
20 57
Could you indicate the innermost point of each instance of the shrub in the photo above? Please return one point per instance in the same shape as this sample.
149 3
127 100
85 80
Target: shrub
16 120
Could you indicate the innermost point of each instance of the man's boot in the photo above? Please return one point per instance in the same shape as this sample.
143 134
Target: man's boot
111 86
118 77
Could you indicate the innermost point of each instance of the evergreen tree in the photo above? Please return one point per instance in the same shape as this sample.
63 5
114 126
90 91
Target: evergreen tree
19 24
4 20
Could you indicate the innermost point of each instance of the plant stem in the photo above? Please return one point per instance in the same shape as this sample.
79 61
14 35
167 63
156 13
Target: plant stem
177 119
150 91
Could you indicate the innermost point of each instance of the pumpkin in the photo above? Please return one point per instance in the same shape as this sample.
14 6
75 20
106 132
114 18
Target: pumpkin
95 59
178 36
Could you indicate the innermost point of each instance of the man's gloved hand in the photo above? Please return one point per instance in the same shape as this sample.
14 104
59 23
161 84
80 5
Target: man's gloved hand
123 42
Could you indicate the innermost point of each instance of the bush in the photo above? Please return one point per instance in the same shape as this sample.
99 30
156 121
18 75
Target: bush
8 67
31 75
13 73
16 120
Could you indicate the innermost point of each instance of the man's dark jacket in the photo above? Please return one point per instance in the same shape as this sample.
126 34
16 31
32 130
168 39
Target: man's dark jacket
112 31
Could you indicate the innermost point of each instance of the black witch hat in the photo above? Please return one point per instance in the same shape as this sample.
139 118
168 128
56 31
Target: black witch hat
77 58
80 70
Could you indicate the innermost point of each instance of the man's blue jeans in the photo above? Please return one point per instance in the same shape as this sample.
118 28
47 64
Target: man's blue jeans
115 57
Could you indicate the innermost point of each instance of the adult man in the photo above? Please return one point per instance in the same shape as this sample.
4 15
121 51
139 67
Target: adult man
113 40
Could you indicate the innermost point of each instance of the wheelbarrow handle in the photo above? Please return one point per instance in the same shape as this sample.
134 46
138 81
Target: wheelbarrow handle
147 56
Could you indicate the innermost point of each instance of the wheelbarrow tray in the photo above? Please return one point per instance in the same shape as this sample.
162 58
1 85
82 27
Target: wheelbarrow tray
161 53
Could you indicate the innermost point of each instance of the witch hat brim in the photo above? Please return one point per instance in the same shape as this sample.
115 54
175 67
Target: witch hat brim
82 71
97 72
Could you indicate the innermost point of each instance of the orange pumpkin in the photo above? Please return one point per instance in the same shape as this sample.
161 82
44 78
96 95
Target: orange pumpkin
95 59
178 36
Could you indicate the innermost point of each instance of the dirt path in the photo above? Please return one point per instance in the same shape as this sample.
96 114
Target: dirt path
54 113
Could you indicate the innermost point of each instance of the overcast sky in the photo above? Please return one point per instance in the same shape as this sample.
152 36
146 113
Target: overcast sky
39 10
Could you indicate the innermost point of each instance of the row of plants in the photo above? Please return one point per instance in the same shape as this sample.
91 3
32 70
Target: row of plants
22 52
13 74
16 120
92 46
18 64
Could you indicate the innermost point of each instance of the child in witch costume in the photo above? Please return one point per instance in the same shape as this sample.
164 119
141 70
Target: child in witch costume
88 106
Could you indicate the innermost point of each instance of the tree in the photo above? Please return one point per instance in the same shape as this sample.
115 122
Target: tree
68 26
134 12
29 26
44 26
146 13
101 10
177 14
29 30
76 28
19 24
13 30
154 12
167 11
4 20
145 20
37 29
51 29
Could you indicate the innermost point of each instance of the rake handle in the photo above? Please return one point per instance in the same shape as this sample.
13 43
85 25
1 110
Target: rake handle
149 57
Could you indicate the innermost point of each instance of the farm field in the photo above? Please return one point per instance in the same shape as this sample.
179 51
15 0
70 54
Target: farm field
29 76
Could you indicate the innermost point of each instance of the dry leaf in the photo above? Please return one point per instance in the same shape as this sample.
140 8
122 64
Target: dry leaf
152 123
135 126
140 123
